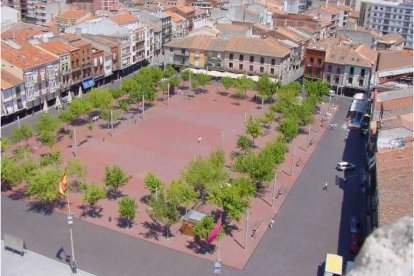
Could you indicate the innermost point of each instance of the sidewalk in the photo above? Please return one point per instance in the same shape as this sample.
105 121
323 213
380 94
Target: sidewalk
33 264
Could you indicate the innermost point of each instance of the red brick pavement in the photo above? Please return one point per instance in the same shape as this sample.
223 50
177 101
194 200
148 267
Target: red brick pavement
164 143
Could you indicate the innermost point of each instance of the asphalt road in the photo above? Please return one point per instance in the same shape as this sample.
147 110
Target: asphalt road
311 223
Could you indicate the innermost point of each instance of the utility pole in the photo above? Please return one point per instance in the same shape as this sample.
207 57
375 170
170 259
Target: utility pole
18 121
293 158
274 189
309 132
70 222
143 107
246 227
112 123
168 93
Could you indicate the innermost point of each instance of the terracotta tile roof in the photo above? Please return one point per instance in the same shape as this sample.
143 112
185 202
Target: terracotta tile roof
295 37
323 45
176 18
330 10
57 47
74 40
217 45
262 47
21 32
184 8
199 11
232 27
26 57
194 42
338 54
73 14
369 54
391 38
395 59
275 10
123 18
344 8
395 183
9 80
107 40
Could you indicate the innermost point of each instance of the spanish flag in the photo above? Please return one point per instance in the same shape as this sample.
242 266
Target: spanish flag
63 185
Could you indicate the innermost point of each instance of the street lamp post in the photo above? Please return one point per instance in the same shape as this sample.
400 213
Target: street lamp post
293 158
246 230
274 189
309 131
143 107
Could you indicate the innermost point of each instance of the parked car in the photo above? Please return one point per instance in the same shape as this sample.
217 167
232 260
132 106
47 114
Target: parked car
345 166
355 225
355 245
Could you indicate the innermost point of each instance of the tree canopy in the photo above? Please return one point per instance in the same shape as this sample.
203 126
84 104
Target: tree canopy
127 208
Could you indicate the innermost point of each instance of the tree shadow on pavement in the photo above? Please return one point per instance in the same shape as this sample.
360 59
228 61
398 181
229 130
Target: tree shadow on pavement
95 212
155 230
17 194
124 223
200 246
145 199
41 208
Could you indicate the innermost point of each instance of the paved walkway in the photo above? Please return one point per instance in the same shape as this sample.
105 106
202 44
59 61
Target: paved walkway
33 264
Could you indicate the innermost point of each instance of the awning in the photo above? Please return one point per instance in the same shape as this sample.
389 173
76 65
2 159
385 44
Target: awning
333 264
88 83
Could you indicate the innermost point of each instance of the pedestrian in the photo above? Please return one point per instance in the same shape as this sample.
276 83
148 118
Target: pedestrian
325 187
345 179
272 221
199 139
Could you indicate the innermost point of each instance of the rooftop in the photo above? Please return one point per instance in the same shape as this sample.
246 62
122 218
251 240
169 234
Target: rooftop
262 47
185 8
330 10
395 59
342 54
176 18
26 57
9 80
123 19
57 47
73 14
22 32
391 38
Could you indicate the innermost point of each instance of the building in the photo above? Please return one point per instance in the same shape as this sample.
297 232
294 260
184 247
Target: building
10 15
45 11
391 41
388 17
19 5
395 66
244 55
13 96
71 17
162 20
180 25
38 69
390 189
359 34
295 6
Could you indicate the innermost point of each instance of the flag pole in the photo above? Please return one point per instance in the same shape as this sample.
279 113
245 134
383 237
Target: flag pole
70 222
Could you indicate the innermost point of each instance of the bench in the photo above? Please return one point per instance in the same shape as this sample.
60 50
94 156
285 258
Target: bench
14 244
257 227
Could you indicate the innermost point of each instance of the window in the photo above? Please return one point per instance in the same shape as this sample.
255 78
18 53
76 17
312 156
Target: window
183 51
329 68
338 70
251 68
310 72
251 58
311 61
350 80
361 82
336 80
262 60
240 66
261 69
362 72
351 71
241 58
328 79
273 61
231 56
319 62
231 65
272 71
318 73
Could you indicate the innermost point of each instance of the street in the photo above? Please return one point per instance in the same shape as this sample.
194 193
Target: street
311 223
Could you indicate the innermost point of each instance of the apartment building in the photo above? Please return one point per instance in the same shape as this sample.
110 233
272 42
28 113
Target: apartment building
19 5
394 65
179 24
70 18
388 17
391 41
10 15
38 69
13 96
237 55
47 10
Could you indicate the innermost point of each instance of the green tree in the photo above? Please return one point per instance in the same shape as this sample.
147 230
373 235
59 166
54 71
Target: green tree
169 71
203 79
115 178
117 93
76 172
100 98
290 128
259 167
22 152
244 143
91 195
227 82
43 186
243 83
127 208
185 75
265 87
253 128
268 117
23 133
47 123
164 86
51 158
124 105
80 107
244 187
66 116
129 86
163 211
48 138
181 194
174 81
5 144
276 150
203 228
11 173
153 183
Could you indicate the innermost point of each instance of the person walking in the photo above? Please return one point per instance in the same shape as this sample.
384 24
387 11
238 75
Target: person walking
199 139
325 187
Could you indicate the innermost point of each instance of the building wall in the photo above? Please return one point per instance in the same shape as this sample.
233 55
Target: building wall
388 18
351 77
314 62
13 99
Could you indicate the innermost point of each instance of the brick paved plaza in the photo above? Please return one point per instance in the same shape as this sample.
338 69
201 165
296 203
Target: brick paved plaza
164 142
